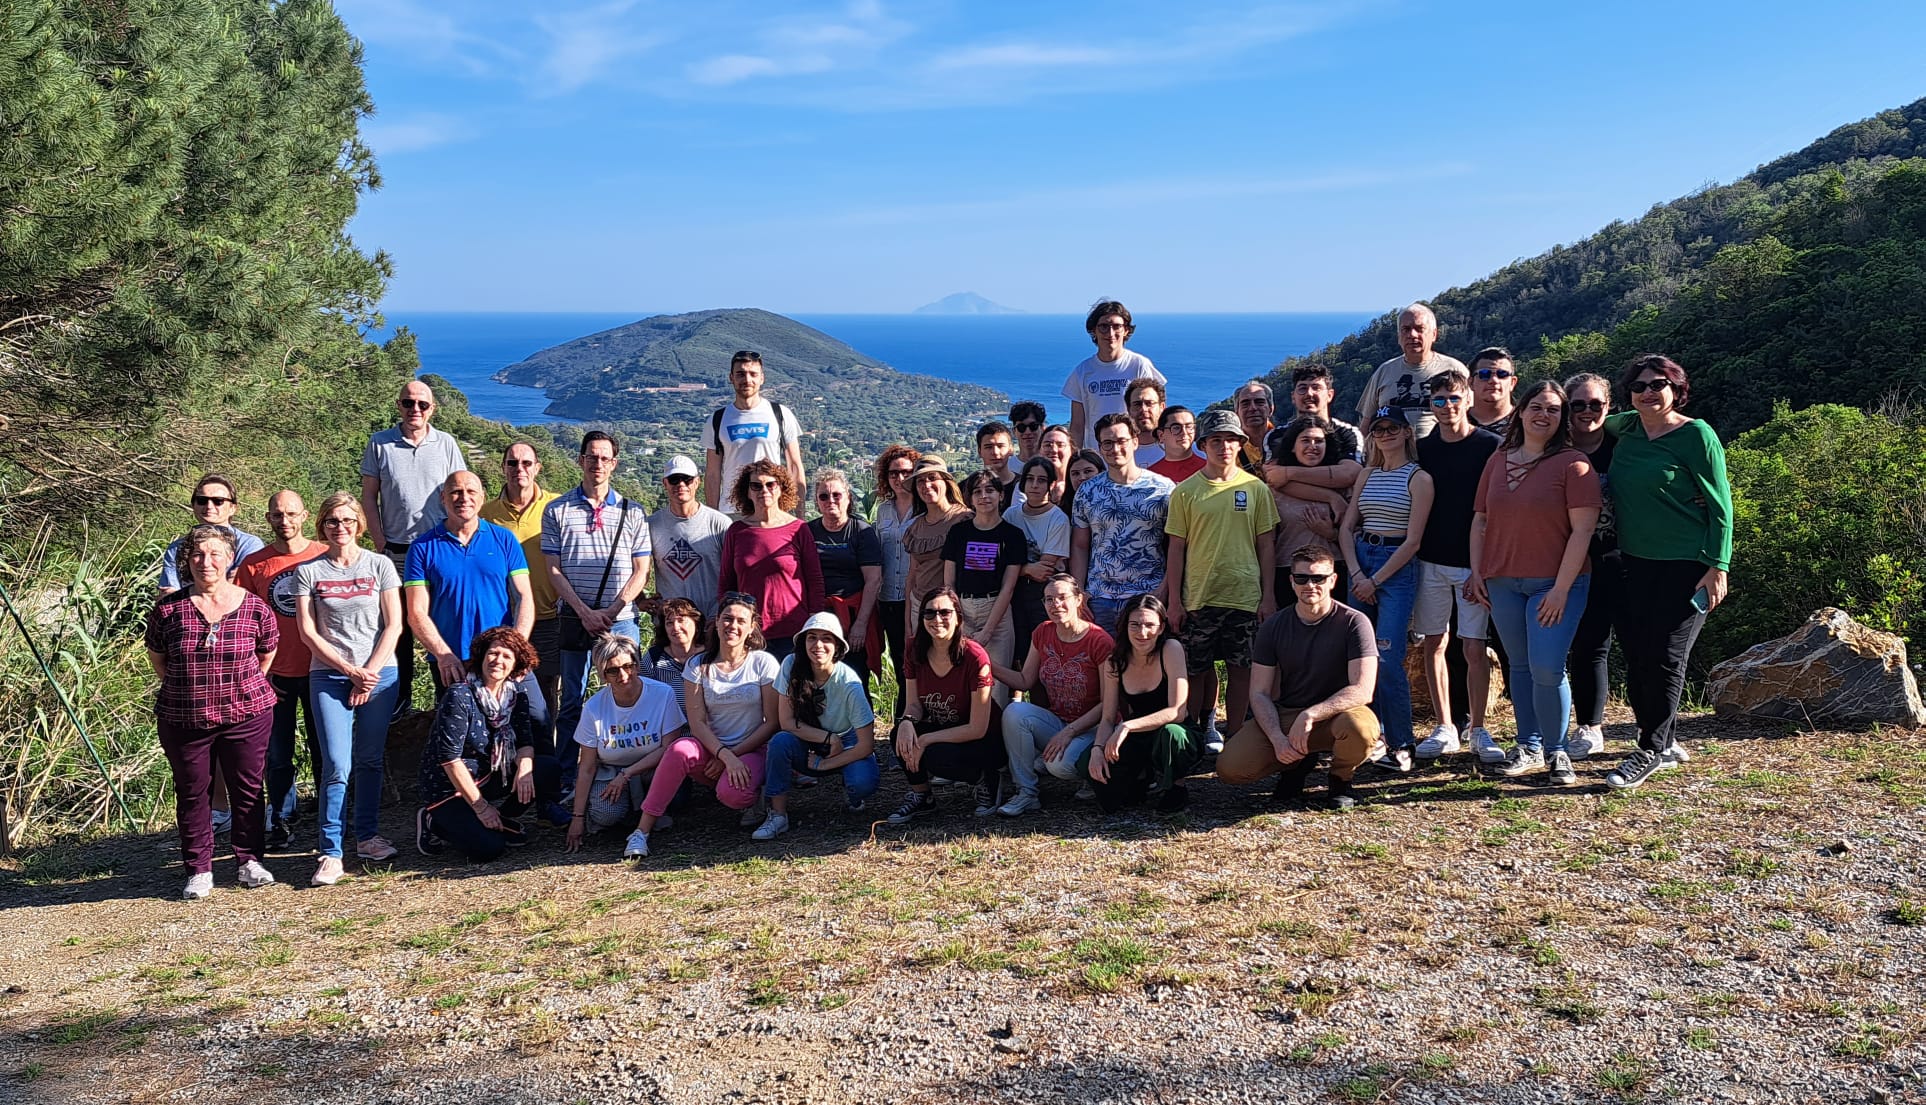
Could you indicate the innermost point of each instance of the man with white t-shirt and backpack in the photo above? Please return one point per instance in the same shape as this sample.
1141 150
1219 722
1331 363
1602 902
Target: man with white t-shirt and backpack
1096 386
748 430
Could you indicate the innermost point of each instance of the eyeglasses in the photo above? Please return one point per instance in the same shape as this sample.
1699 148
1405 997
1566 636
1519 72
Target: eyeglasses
1117 442
931 613
1028 427
1181 427
738 598
415 404
1442 401
1386 431
1495 374
210 500
900 473
338 523
677 481
595 458
1302 578
1639 387
1589 404
618 667
827 496
284 515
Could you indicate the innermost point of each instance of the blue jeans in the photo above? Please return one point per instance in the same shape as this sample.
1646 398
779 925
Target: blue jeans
1391 617
351 737
786 753
575 672
1105 612
1541 696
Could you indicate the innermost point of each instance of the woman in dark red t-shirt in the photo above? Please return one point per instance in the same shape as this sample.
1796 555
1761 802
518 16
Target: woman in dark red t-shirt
949 726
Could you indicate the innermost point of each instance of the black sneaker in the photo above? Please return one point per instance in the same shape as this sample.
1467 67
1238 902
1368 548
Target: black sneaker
1174 800
279 836
1638 767
426 842
988 797
1340 796
513 834
914 805
1290 781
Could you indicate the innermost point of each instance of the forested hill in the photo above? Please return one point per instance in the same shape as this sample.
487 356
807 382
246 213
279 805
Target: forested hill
1801 280
663 376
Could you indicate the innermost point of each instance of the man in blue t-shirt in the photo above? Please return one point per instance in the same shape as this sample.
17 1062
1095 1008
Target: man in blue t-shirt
463 576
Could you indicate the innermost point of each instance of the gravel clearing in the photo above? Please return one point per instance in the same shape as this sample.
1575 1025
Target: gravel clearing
1455 939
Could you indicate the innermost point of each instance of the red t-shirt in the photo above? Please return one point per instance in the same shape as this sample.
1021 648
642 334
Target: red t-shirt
778 566
1176 471
270 575
946 698
1071 670
1526 527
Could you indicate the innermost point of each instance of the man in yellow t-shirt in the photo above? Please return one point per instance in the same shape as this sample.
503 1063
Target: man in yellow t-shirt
1220 564
518 509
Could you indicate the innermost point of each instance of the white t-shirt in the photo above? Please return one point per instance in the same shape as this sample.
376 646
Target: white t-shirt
748 436
1100 387
1046 534
734 699
621 735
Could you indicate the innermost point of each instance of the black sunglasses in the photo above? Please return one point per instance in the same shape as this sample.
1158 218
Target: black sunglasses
1588 404
210 500
1638 387
1027 427
738 598
1310 577
931 613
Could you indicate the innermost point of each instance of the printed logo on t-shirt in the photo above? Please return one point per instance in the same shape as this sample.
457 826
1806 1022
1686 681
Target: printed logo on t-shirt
940 711
629 734
980 556
1240 500
359 588
749 431
1108 387
681 559
281 591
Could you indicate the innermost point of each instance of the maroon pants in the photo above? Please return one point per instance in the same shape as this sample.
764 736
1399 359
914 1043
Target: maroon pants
241 750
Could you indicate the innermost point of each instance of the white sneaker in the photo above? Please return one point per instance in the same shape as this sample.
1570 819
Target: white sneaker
254 876
1397 759
327 872
1674 756
772 826
1588 741
1486 748
1213 740
198 887
1024 802
1443 741
637 847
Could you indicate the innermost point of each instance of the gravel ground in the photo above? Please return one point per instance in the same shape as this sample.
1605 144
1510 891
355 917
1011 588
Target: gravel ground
1452 940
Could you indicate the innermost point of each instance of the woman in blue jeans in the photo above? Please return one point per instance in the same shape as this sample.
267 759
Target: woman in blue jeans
348 601
1379 536
825 714
1531 534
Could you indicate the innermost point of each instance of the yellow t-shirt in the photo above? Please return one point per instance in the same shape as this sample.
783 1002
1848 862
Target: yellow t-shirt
1221 524
526 525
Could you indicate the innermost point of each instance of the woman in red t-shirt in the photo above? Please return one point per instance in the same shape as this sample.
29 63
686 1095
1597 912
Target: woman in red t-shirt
770 555
949 726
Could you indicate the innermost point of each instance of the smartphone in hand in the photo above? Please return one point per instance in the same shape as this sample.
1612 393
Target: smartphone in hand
1702 601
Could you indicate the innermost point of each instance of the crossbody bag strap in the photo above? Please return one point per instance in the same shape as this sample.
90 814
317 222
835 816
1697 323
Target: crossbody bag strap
614 544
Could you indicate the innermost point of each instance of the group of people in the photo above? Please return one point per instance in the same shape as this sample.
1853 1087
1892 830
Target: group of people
1060 612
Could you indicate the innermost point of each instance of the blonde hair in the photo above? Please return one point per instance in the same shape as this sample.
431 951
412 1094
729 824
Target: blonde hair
335 502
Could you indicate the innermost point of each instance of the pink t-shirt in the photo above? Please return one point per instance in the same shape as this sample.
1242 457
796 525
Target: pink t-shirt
1526 527
1069 670
778 566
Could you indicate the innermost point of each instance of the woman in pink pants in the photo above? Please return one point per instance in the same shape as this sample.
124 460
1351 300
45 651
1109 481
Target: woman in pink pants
731 704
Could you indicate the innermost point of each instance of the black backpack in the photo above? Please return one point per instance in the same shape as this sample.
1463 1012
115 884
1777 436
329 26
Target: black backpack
782 439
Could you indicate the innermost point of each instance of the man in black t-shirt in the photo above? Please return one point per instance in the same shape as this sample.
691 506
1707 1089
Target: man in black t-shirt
1455 452
1312 670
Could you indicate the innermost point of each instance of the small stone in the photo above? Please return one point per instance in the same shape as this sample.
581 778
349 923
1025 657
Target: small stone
1011 1047
1838 847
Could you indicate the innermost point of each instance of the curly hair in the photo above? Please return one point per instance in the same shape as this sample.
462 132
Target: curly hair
526 659
789 500
880 473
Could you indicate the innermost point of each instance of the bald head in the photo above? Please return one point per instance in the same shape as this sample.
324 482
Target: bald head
461 496
286 514
415 404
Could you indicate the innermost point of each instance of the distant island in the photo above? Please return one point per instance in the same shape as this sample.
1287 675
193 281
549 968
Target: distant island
965 303
660 378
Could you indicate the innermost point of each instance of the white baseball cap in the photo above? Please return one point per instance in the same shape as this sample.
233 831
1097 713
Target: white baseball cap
680 465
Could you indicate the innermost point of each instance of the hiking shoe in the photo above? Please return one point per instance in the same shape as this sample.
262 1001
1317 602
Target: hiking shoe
1290 781
1395 759
1340 796
914 805
376 849
1588 741
254 876
772 826
426 842
988 797
1443 741
637 846
1024 802
1486 748
1560 773
1522 761
279 836
223 821
198 887
1174 800
1641 765
327 872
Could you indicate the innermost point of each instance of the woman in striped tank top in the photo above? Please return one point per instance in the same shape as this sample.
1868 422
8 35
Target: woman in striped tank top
1379 537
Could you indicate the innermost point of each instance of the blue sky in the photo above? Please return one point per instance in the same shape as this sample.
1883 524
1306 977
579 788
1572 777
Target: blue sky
873 155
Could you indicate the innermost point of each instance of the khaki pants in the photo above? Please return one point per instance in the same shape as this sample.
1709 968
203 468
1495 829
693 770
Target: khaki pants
1348 737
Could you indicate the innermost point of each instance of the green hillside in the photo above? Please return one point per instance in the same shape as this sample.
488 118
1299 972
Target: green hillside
1796 281
660 379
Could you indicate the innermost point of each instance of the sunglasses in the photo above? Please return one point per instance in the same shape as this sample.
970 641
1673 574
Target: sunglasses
1028 427
626 665
738 598
1495 374
210 500
520 463
677 481
1319 578
767 487
826 496
900 473
1442 401
415 404
1639 387
1588 404
931 613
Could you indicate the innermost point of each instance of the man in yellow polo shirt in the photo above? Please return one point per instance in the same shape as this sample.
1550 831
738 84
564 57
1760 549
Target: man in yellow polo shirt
518 509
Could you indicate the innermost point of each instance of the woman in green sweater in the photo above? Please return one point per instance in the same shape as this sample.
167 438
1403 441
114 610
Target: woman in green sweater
1673 507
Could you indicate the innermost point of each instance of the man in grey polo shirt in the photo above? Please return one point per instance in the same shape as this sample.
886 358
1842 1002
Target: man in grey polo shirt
402 472
596 544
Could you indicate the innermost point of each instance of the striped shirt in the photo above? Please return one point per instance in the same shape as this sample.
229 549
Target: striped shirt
580 535
1384 506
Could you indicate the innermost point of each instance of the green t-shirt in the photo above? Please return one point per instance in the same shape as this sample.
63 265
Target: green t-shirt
1220 524
1670 496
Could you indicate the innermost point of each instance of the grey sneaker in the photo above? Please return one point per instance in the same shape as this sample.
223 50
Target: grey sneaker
198 887
1024 802
1522 762
752 816
1561 773
1674 756
254 876
1486 747
988 797
772 826
1588 741
637 846
1395 759
1085 793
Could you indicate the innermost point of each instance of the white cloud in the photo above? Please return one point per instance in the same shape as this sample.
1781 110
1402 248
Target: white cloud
410 133
734 68
423 33
1021 55
586 44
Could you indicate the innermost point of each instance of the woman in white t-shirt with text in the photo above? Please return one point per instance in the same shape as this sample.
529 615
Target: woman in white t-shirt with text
623 734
